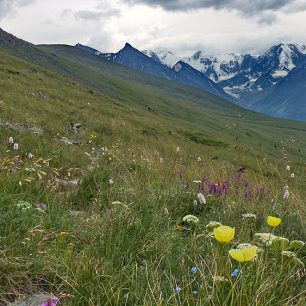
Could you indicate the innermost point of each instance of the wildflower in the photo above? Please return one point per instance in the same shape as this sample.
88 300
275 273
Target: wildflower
16 146
287 168
191 219
292 175
195 202
224 233
30 155
201 286
197 182
111 181
292 256
235 273
177 149
178 289
265 238
199 159
273 221
52 302
286 193
11 140
194 270
201 198
288 254
195 292
279 243
264 160
244 254
246 184
296 244
213 224
248 216
178 228
23 205
41 206
161 160
166 211
217 278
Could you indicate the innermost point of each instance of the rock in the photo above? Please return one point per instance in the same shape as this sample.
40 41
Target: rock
39 94
34 300
75 126
21 127
227 163
67 185
70 141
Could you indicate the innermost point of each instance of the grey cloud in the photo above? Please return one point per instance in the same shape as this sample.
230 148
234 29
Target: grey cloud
249 7
94 15
8 6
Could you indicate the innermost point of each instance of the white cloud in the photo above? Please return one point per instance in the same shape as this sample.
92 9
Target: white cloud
107 25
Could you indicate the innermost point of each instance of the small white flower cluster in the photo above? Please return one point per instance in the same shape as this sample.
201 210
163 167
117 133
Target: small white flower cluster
15 144
191 219
248 216
201 198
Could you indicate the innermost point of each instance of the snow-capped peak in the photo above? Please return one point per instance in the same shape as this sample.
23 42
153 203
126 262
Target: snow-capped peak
164 56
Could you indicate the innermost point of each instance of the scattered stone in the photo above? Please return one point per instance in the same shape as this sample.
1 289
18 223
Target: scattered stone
75 126
67 141
21 127
67 185
39 94
227 163
34 300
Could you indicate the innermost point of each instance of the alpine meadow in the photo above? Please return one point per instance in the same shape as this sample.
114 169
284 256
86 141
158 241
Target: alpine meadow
126 180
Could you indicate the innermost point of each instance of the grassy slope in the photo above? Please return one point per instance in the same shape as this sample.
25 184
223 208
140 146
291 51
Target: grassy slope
129 252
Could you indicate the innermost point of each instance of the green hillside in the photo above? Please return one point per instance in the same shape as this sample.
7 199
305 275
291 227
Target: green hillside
99 222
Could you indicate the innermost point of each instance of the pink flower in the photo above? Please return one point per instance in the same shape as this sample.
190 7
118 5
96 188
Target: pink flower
52 302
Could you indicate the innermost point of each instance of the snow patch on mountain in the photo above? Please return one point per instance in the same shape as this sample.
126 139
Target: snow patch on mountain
165 57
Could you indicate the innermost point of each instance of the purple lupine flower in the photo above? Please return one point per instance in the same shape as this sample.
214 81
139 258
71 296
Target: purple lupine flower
246 184
224 188
238 176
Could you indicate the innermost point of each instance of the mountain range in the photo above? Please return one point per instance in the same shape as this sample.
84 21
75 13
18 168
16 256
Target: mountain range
272 82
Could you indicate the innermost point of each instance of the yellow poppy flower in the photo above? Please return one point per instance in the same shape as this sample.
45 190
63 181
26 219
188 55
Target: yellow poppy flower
274 221
245 254
224 233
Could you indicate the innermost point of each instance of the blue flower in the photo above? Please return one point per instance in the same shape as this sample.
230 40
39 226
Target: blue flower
194 270
195 292
235 273
178 289
201 286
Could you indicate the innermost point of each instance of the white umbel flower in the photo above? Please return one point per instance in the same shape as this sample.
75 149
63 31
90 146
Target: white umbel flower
201 198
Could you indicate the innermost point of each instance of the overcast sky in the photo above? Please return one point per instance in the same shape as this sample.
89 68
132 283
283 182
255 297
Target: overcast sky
181 26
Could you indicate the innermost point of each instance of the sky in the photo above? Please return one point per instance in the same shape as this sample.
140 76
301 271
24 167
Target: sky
180 26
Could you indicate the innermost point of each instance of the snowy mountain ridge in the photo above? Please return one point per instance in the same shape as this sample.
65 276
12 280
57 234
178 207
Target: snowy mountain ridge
247 77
